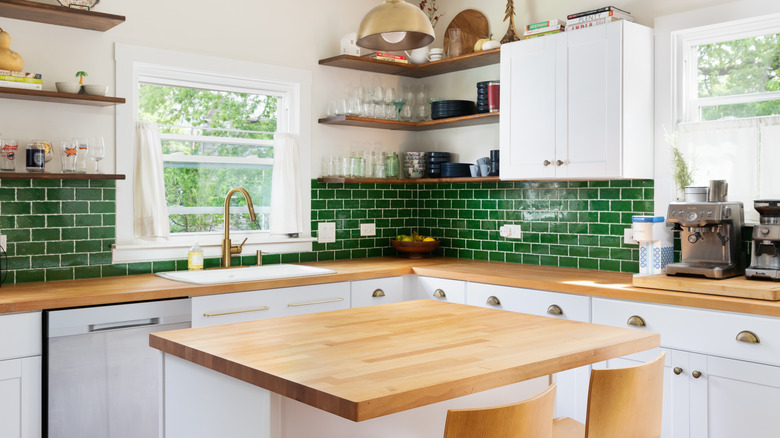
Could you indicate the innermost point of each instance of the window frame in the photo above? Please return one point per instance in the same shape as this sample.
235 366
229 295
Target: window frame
135 64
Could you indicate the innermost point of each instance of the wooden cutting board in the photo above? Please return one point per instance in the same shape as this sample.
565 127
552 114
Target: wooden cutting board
731 287
473 25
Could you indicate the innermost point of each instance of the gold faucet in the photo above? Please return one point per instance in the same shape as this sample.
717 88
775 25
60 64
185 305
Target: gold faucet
228 249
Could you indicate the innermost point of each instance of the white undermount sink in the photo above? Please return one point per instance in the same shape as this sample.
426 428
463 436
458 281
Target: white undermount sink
248 273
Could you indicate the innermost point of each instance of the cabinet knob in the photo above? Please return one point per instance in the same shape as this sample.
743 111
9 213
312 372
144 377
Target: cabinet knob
696 374
378 293
677 370
554 309
748 337
547 163
636 321
493 301
438 293
559 163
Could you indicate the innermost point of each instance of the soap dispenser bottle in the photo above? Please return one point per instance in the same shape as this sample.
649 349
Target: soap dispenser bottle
195 258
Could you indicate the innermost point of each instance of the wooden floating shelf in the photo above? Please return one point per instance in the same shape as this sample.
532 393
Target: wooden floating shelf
471 60
81 176
59 15
452 122
54 96
409 180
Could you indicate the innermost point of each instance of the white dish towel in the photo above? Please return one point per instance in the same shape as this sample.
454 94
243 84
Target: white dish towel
150 210
286 205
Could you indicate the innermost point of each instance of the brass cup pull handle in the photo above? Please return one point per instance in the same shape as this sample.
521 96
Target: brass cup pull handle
555 309
493 301
378 293
748 337
546 163
696 374
636 321
677 370
438 293
559 163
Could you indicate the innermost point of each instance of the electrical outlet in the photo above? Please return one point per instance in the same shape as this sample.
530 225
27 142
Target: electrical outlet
4 241
326 232
511 232
368 229
628 237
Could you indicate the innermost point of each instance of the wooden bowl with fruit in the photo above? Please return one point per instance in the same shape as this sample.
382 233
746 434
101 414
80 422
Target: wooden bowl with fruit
414 246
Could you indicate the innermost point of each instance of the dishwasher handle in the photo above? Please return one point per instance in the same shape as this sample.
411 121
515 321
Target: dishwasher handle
123 325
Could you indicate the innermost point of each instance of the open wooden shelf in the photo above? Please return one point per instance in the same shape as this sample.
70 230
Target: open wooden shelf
471 60
408 180
59 15
54 96
452 122
82 176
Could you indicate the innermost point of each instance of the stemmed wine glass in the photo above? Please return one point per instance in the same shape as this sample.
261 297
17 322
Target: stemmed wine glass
399 101
97 152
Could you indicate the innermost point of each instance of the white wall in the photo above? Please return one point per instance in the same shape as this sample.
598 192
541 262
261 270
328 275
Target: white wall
294 33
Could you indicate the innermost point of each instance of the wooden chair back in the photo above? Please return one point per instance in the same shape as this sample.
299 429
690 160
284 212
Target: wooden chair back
626 402
531 418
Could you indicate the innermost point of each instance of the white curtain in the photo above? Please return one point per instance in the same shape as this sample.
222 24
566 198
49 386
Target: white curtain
286 205
150 210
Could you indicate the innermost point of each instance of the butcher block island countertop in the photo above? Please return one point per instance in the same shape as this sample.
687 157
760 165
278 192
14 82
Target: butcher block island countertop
111 290
368 362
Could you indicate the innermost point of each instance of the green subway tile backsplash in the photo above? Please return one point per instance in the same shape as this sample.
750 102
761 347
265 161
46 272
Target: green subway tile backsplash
64 229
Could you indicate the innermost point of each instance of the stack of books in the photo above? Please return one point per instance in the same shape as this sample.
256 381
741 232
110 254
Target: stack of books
17 79
384 56
586 19
543 28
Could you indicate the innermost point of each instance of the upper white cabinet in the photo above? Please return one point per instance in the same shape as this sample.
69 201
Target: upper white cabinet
578 105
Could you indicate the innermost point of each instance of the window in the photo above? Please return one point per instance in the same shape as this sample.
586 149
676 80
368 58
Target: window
217 128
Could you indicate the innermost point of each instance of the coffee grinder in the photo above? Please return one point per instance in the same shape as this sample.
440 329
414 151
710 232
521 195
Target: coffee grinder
710 235
765 254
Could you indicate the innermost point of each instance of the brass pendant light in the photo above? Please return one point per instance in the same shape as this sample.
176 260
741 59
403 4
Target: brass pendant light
395 25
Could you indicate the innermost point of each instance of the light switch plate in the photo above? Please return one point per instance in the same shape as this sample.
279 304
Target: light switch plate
628 237
511 232
368 229
326 232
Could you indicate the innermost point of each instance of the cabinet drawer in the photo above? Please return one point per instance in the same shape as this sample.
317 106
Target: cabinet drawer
441 289
235 307
314 298
377 291
703 331
535 302
20 335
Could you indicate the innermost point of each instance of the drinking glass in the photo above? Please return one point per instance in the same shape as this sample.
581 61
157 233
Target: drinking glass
388 103
69 150
378 100
97 152
354 101
8 153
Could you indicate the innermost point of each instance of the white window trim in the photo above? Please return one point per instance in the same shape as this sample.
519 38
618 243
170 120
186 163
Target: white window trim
131 62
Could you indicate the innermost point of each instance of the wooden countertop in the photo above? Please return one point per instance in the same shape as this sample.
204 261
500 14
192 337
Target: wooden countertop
111 290
366 362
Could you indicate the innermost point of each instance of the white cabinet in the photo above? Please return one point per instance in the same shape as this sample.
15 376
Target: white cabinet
377 291
441 289
717 383
572 398
270 303
578 105
20 375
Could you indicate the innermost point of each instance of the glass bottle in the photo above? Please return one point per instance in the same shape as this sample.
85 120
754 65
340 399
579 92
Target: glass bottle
391 165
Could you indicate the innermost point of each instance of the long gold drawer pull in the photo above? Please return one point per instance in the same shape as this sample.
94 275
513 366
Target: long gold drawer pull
438 293
493 301
259 309
555 309
696 374
378 293
748 337
310 303
677 370
636 321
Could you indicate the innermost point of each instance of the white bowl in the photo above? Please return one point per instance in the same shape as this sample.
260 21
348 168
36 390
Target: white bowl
96 90
68 87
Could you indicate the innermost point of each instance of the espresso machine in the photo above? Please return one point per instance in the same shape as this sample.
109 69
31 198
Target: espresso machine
710 235
765 254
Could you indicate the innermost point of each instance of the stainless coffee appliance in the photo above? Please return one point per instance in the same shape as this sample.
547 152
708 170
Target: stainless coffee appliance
765 254
710 238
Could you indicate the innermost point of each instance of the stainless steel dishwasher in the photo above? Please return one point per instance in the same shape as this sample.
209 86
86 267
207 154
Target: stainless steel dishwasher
102 378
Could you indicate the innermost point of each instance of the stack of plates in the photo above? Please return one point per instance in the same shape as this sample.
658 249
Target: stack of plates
443 109
435 161
454 170
482 96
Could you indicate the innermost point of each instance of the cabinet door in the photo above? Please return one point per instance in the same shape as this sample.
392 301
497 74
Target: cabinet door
235 307
377 291
20 398
528 113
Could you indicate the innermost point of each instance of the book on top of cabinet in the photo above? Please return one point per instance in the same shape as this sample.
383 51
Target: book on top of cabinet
548 23
595 11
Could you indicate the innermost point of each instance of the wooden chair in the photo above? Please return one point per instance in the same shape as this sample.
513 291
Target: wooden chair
622 403
531 418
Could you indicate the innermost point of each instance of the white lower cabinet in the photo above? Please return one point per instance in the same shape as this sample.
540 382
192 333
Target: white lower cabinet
441 289
377 291
572 393
20 375
717 386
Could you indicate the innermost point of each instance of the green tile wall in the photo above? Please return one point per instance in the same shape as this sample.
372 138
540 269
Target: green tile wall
64 229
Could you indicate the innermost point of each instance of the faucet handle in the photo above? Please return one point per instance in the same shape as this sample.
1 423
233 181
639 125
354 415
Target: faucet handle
236 249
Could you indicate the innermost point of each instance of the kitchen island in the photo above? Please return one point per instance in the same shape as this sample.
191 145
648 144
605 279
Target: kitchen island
381 371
